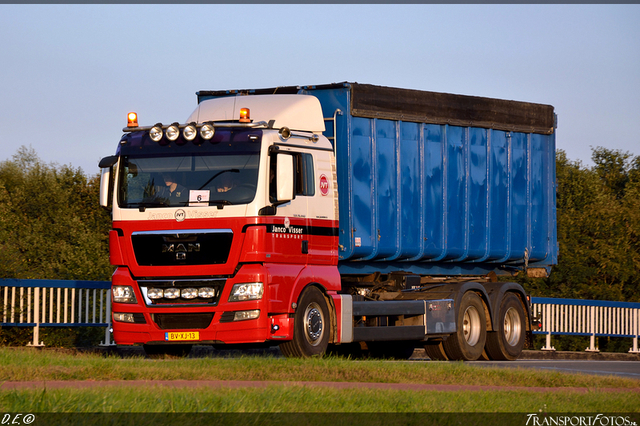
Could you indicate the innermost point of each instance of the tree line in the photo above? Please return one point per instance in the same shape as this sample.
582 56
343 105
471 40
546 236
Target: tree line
52 227
51 224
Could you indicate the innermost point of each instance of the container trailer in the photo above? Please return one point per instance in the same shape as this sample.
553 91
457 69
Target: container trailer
346 218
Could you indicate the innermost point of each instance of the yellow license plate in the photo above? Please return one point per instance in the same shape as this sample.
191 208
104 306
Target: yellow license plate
173 336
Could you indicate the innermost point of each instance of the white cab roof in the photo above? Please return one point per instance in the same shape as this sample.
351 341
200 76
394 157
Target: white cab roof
297 112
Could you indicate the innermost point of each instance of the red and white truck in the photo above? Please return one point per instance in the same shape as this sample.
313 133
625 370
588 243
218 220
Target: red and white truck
342 217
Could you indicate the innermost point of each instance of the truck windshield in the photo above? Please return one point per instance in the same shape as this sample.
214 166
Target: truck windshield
188 180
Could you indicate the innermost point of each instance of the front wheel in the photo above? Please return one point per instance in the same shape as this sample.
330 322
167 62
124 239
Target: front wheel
507 342
310 327
468 341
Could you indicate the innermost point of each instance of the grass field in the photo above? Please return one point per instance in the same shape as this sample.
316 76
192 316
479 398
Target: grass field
48 365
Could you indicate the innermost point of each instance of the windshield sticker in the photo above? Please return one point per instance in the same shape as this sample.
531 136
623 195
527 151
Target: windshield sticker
199 198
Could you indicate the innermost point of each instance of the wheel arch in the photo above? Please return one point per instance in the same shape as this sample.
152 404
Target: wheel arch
327 279
484 296
498 291
333 326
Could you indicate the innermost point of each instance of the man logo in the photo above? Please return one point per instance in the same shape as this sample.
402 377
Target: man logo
180 215
324 185
180 249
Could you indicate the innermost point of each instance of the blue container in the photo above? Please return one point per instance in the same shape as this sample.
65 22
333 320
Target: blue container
439 184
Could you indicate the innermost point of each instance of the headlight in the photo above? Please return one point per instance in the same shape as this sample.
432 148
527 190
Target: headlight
155 133
207 131
172 293
123 317
123 294
173 132
189 293
190 132
246 291
155 293
206 292
246 315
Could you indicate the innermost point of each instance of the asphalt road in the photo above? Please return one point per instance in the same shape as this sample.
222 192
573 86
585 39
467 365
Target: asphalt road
630 369
620 364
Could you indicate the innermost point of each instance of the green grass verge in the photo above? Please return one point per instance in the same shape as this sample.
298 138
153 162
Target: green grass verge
30 364
47 365
296 399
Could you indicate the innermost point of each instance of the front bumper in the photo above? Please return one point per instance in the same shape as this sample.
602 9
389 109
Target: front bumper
222 322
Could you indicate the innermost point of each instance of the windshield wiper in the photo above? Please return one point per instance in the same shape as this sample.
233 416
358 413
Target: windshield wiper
220 203
144 204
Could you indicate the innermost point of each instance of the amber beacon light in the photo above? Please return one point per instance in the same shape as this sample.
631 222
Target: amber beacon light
132 119
244 115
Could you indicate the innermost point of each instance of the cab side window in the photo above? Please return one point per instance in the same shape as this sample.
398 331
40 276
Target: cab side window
304 175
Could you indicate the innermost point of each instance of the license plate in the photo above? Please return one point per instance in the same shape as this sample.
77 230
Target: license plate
174 336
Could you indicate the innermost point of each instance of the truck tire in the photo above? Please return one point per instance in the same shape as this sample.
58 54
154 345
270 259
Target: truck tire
435 351
467 343
507 342
311 326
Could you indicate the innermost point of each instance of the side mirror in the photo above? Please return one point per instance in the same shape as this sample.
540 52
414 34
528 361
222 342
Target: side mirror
285 178
106 165
105 180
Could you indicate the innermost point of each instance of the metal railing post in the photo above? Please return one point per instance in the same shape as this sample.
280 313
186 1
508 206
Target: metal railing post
36 319
635 325
592 331
546 314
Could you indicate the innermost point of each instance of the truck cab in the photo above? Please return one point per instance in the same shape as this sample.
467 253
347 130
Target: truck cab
214 221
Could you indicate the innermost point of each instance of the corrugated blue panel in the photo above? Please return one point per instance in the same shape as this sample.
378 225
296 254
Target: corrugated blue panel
441 199
455 195
518 193
360 197
411 221
433 194
385 237
498 198
542 191
478 186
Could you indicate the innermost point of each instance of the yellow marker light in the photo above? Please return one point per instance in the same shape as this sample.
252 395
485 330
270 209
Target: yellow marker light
244 115
132 119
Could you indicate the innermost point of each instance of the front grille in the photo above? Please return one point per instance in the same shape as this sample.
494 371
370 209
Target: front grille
216 284
182 321
188 247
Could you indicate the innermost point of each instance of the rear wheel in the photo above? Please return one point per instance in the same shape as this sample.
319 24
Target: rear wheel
435 351
507 342
311 326
467 343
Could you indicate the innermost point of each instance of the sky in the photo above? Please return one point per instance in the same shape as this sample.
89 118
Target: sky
69 74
